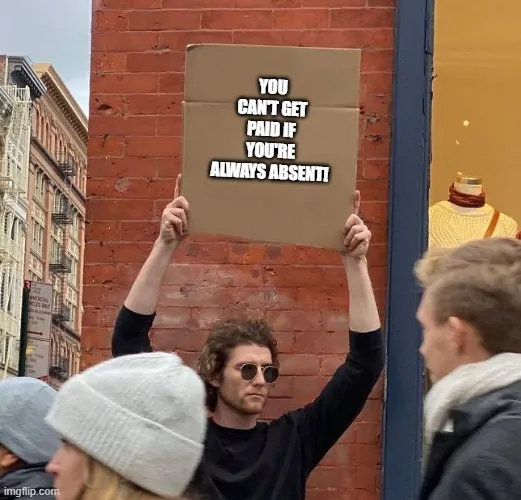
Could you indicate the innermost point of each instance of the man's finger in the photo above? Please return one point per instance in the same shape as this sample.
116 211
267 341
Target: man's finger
180 202
357 201
177 190
176 214
360 238
357 228
352 220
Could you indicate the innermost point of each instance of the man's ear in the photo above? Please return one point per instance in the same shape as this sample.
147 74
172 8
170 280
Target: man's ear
215 383
460 332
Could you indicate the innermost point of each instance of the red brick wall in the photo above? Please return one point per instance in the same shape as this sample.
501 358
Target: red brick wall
134 157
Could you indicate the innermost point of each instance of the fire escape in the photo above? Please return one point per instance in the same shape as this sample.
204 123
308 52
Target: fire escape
61 263
15 121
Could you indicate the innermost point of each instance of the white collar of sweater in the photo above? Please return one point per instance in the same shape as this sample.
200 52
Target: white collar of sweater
464 383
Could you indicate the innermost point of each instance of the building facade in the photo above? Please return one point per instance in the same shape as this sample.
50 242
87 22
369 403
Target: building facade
56 193
19 88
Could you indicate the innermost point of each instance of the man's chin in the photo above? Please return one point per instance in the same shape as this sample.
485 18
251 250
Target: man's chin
251 408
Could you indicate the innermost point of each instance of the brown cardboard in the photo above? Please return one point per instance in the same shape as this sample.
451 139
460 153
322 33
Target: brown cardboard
303 213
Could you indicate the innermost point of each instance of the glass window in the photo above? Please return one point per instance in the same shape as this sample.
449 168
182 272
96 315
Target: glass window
475 121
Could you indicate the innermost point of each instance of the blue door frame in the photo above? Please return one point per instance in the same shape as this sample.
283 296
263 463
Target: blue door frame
408 211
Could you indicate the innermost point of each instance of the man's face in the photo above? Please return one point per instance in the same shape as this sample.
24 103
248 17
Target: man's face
7 460
247 397
441 347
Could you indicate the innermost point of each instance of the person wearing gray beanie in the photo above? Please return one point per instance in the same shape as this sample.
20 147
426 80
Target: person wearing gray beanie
26 442
134 425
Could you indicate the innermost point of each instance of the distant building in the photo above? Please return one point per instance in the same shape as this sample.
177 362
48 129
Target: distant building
42 187
57 182
20 86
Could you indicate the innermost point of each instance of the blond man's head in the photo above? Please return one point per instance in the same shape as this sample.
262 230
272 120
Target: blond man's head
471 308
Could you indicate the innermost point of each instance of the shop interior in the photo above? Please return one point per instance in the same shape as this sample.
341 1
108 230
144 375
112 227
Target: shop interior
476 122
475 171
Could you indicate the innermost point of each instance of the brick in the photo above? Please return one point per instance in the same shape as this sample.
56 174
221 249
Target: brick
163 20
108 62
132 4
301 19
116 41
170 125
117 188
154 104
103 231
131 126
378 60
380 38
362 18
95 337
109 20
126 167
178 40
198 4
171 83
299 364
267 4
103 104
90 357
294 320
112 253
100 316
106 146
237 19
381 3
377 83
139 231
156 146
317 298
155 62
322 342
106 83
115 210
334 3
242 253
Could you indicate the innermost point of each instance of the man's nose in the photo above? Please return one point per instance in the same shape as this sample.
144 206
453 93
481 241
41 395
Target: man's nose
259 378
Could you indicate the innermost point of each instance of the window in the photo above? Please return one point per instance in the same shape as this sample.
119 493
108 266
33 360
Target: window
474 122
38 237
73 275
39 186
33 276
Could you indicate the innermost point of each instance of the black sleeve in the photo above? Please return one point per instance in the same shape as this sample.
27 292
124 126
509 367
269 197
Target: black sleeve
131 333
322 422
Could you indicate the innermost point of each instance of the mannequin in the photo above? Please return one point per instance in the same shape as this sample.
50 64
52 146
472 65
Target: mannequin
466 216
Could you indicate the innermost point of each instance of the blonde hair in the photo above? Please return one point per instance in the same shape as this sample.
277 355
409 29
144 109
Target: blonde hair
103 483
478 282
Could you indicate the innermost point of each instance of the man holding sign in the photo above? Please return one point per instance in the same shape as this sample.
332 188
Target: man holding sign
245 459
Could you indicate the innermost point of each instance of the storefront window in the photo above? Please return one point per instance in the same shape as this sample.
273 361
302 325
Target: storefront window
475 122
476 159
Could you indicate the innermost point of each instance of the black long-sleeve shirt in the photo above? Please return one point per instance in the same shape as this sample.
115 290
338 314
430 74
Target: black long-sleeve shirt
273 461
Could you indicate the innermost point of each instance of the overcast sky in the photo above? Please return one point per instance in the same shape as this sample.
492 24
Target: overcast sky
51 31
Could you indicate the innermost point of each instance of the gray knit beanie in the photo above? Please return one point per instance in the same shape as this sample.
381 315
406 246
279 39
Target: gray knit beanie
141 415
24 402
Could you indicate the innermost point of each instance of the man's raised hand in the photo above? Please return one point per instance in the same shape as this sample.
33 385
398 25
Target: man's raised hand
174 221
357 234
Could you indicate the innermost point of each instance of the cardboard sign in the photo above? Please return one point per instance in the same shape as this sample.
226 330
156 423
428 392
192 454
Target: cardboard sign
271 142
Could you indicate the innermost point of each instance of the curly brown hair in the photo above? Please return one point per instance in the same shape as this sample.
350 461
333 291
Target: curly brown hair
226 336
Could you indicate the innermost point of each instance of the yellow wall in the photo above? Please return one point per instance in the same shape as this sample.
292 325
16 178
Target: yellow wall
478 78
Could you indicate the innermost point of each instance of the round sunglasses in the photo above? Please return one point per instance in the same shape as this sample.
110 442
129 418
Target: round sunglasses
249 372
